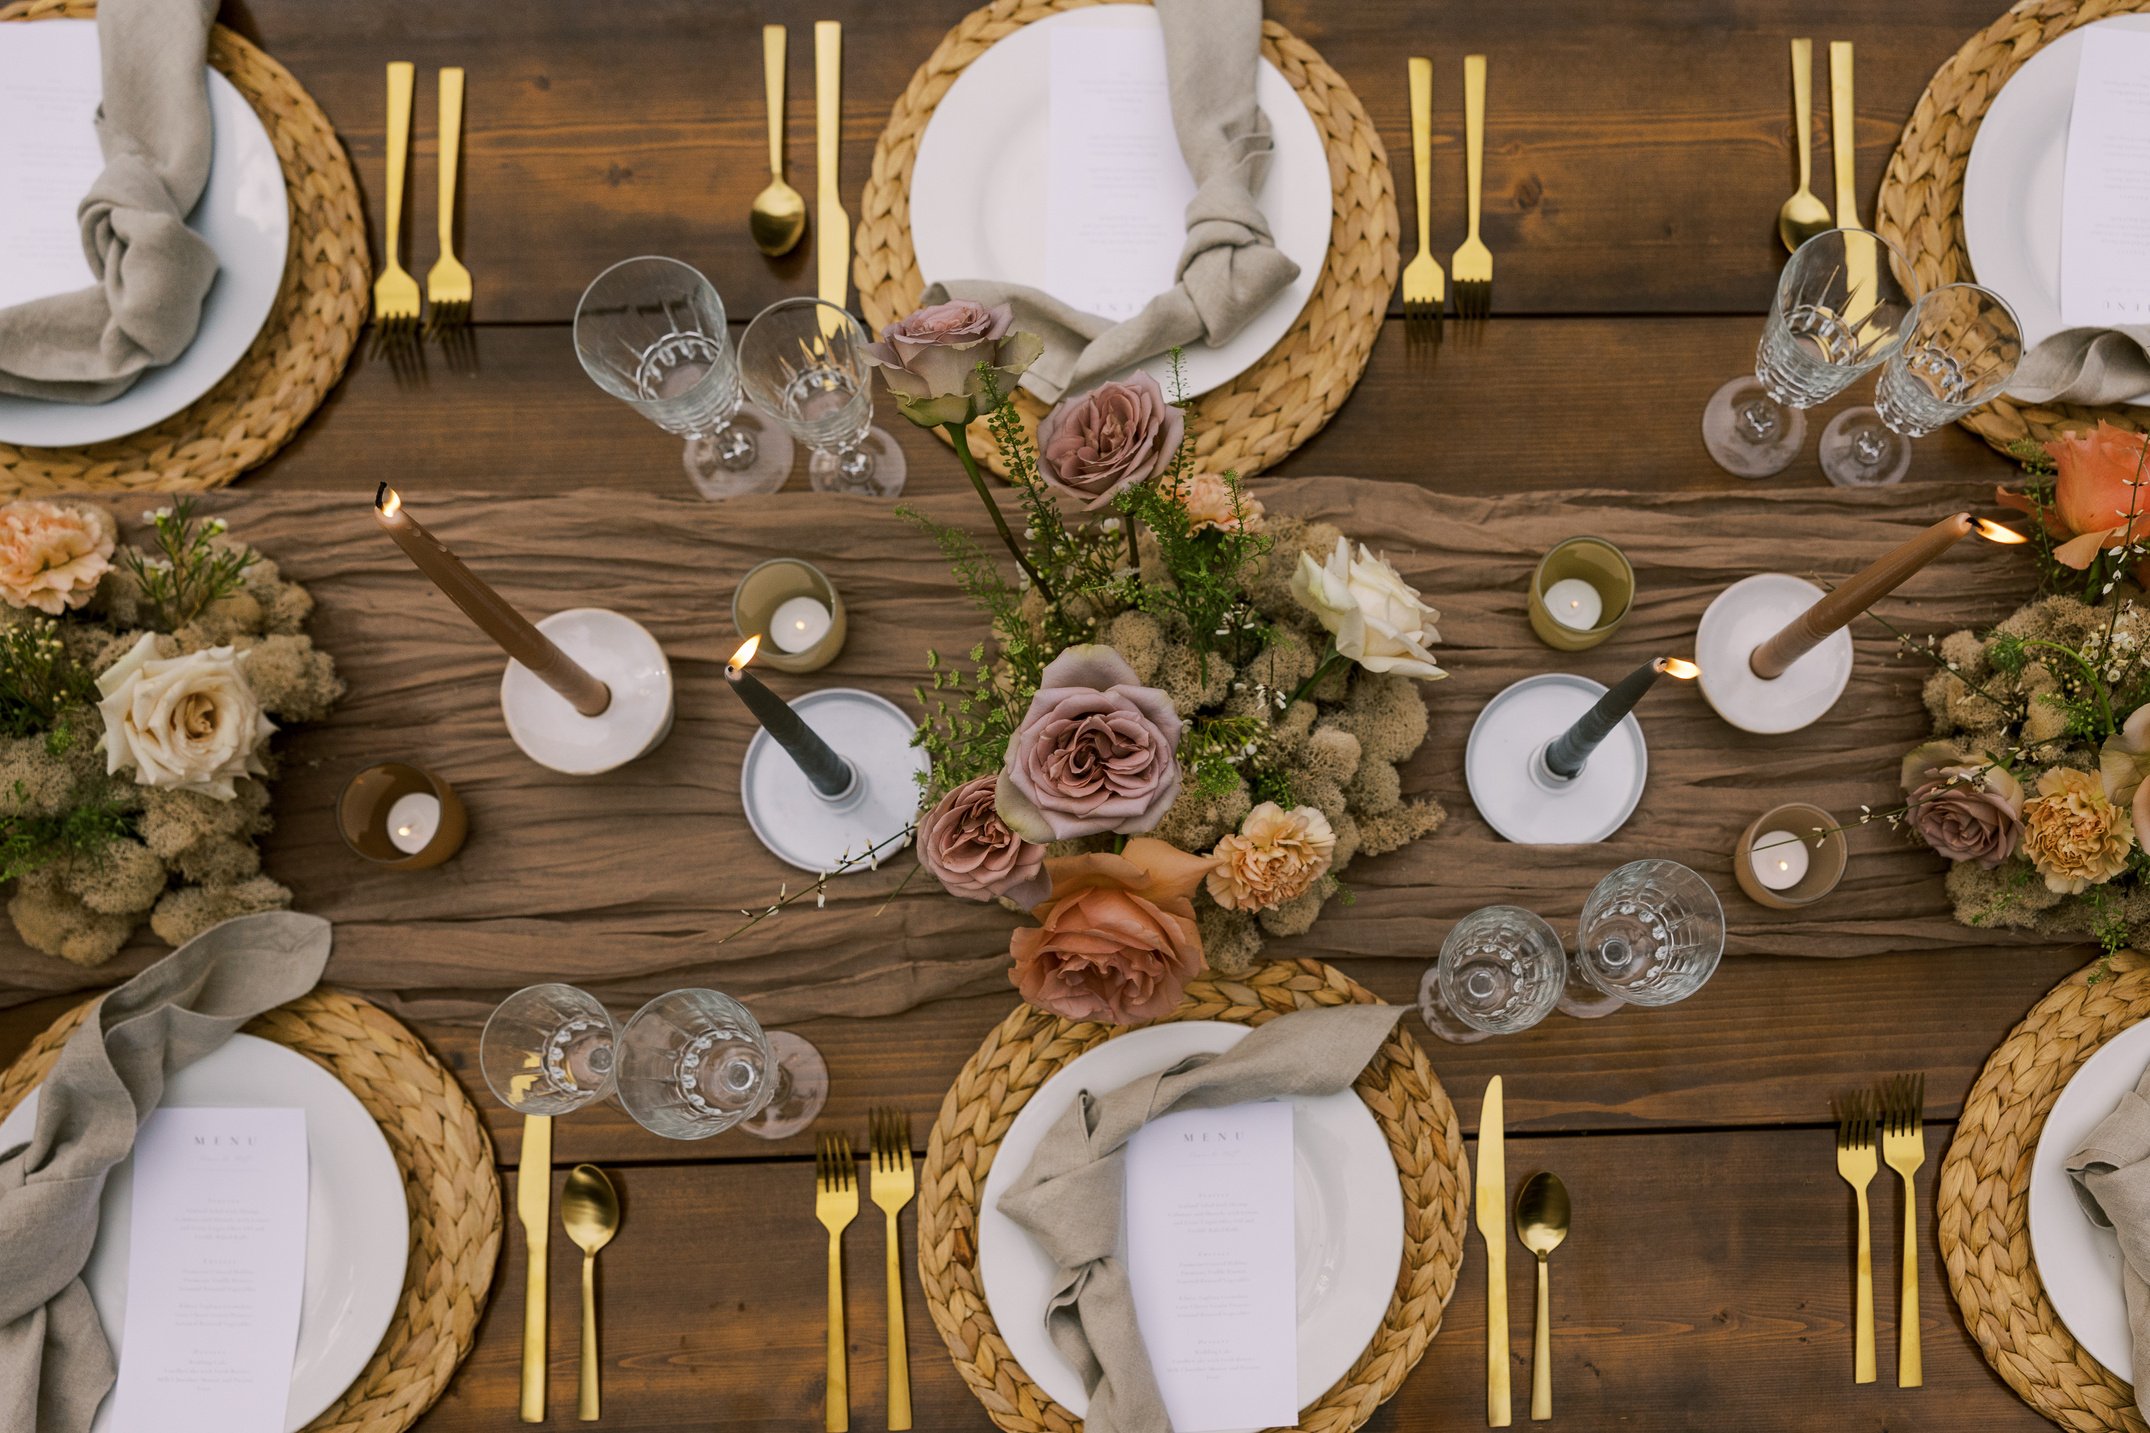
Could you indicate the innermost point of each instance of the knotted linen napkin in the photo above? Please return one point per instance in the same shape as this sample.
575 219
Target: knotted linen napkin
152 271
2086 365
1230 268
2112 1181
55 1365
1069 1198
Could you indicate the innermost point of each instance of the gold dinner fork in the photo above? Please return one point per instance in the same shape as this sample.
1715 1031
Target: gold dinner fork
1473 263
1855 1161
836 1204
893 1186
395 292
448 282
1425 288
1903 1147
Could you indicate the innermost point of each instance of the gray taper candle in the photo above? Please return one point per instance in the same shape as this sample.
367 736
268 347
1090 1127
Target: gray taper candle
830 774
1566 755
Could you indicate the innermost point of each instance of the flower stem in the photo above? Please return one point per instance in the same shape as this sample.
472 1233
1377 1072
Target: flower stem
961 439
1134 549
1321 669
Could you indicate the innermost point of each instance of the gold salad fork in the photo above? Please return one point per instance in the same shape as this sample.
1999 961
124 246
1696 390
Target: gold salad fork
1425 288
1473 263
836 1204
448 282
1903 1148
1855 1161
893 1186
395 292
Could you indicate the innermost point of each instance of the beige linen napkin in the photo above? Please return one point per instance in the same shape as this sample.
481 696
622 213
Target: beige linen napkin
152 271
1230 268
2086 365
1069 1198
55 1366
2112 1179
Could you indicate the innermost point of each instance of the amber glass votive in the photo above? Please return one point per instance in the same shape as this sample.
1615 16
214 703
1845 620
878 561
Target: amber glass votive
401 817
1816 862
793 607
1580 573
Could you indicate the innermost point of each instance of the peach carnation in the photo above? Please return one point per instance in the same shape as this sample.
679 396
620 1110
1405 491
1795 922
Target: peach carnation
1275 858
52 555
2073 833
1213 503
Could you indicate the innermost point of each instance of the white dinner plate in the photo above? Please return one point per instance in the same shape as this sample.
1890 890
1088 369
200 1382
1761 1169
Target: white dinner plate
1347 1204
978 188
358 1225
2079 1262
243 214
2012 184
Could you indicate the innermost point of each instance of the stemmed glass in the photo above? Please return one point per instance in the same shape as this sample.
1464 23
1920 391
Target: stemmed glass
1501 971
1837 314
1651 934
803 363
694 1063
651 332
548 1050
1960 347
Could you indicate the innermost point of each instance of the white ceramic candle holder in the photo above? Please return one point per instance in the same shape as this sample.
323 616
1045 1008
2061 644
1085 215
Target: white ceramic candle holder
818 833
1520 797
619 652
1744 616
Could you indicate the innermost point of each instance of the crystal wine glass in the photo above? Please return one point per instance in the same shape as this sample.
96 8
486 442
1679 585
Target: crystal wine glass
803 363
1501 971
694 1063
651 332
1960 347
548 1050
1837 314
1651 934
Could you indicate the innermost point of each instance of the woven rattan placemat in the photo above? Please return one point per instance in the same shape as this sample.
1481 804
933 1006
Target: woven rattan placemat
1921 205
447 1165
1029 1047
298 355
1285 398
1985 1199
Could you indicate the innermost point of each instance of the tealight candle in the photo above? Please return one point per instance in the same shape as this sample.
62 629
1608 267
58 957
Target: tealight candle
413 820
1580 593
401 816
1790 856
1779 859
798 623
792 606
1573 602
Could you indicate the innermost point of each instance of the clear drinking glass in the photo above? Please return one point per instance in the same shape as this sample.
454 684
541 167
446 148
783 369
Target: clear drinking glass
1651 934
1838 311
548 1050
1960 347
651 332
1501 970
803 364
694 1063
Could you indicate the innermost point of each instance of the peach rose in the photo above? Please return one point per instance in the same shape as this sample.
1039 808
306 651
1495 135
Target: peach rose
1116 940
2096 471
971 851
1275 857
1211 502
52 555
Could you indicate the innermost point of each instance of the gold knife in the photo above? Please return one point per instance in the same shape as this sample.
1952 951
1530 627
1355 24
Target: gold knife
1493 1228
533 1205
1843 141
832 226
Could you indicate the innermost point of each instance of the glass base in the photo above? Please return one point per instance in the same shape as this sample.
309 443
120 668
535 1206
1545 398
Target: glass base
763 468
880 477
1580 1000
1749 433
805 1090
1439 1019
1859 451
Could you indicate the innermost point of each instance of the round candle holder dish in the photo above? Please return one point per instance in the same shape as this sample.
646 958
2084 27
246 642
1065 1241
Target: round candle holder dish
803 828
1826 856
1520 797
768 586
362 816
619 652
1586 559
1743 617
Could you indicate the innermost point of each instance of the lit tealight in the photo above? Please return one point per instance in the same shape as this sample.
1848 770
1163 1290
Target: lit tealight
1780 860
1574 603
413 820
798 623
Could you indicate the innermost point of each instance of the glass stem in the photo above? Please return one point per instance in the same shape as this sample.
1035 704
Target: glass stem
735 446
961 439
1760 416
856 464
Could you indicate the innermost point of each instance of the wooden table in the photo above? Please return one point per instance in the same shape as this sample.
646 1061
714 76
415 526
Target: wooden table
1638 150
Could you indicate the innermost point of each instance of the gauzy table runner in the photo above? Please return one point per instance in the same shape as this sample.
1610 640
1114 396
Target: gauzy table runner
624 883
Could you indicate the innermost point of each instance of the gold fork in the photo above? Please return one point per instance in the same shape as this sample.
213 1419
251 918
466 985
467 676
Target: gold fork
448 282
836 1204
1855 1161
1425 288
1903 1147
1473 263
893 1186
395 292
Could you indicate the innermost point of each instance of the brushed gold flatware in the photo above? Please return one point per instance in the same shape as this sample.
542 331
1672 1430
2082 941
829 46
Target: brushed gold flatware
832 226
533 1205
836 1204
1843 137
448 282
1473 263
1541 1223
893 1186
1803 215
1425 287
590 1211
395 292
779 214
1903 1148
1492 1219
1855 1161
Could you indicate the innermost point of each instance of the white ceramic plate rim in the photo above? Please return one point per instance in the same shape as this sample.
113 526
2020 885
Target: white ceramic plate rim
357 1221
1340 1305
244 213
979 179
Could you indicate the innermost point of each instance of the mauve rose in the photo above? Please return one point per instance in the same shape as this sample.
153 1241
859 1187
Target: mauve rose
1114 436
929 359
966 845
1097 751
1117 940
1964 810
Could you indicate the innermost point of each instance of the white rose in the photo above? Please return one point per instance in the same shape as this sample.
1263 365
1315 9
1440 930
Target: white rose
1374 615
185 723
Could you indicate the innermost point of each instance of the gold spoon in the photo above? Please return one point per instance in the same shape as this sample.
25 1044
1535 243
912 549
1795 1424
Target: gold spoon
1803 215
1541 1222
590 1209
779 216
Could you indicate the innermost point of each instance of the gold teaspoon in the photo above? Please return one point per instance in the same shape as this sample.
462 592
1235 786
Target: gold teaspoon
779 215
590 1209
1803 215
1541 1222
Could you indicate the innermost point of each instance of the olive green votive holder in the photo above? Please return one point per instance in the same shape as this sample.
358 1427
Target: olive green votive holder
1827 855
1582 559
401 817
764 590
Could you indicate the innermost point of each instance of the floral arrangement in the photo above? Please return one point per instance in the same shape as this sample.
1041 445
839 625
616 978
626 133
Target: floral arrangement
137 691
1188 718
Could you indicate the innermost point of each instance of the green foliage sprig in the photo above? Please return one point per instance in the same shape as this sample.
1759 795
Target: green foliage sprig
189 570
39 678
30 843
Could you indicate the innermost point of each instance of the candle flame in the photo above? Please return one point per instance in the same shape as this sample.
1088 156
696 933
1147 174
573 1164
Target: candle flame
1685 670
1995 532
746 652
388 500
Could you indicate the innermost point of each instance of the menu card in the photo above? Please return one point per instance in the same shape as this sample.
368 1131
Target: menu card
2105 204
49 93
216 1270
1211 1264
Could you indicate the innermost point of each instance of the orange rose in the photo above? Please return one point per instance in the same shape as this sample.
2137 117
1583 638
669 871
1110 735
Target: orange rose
2093 492
1116 939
